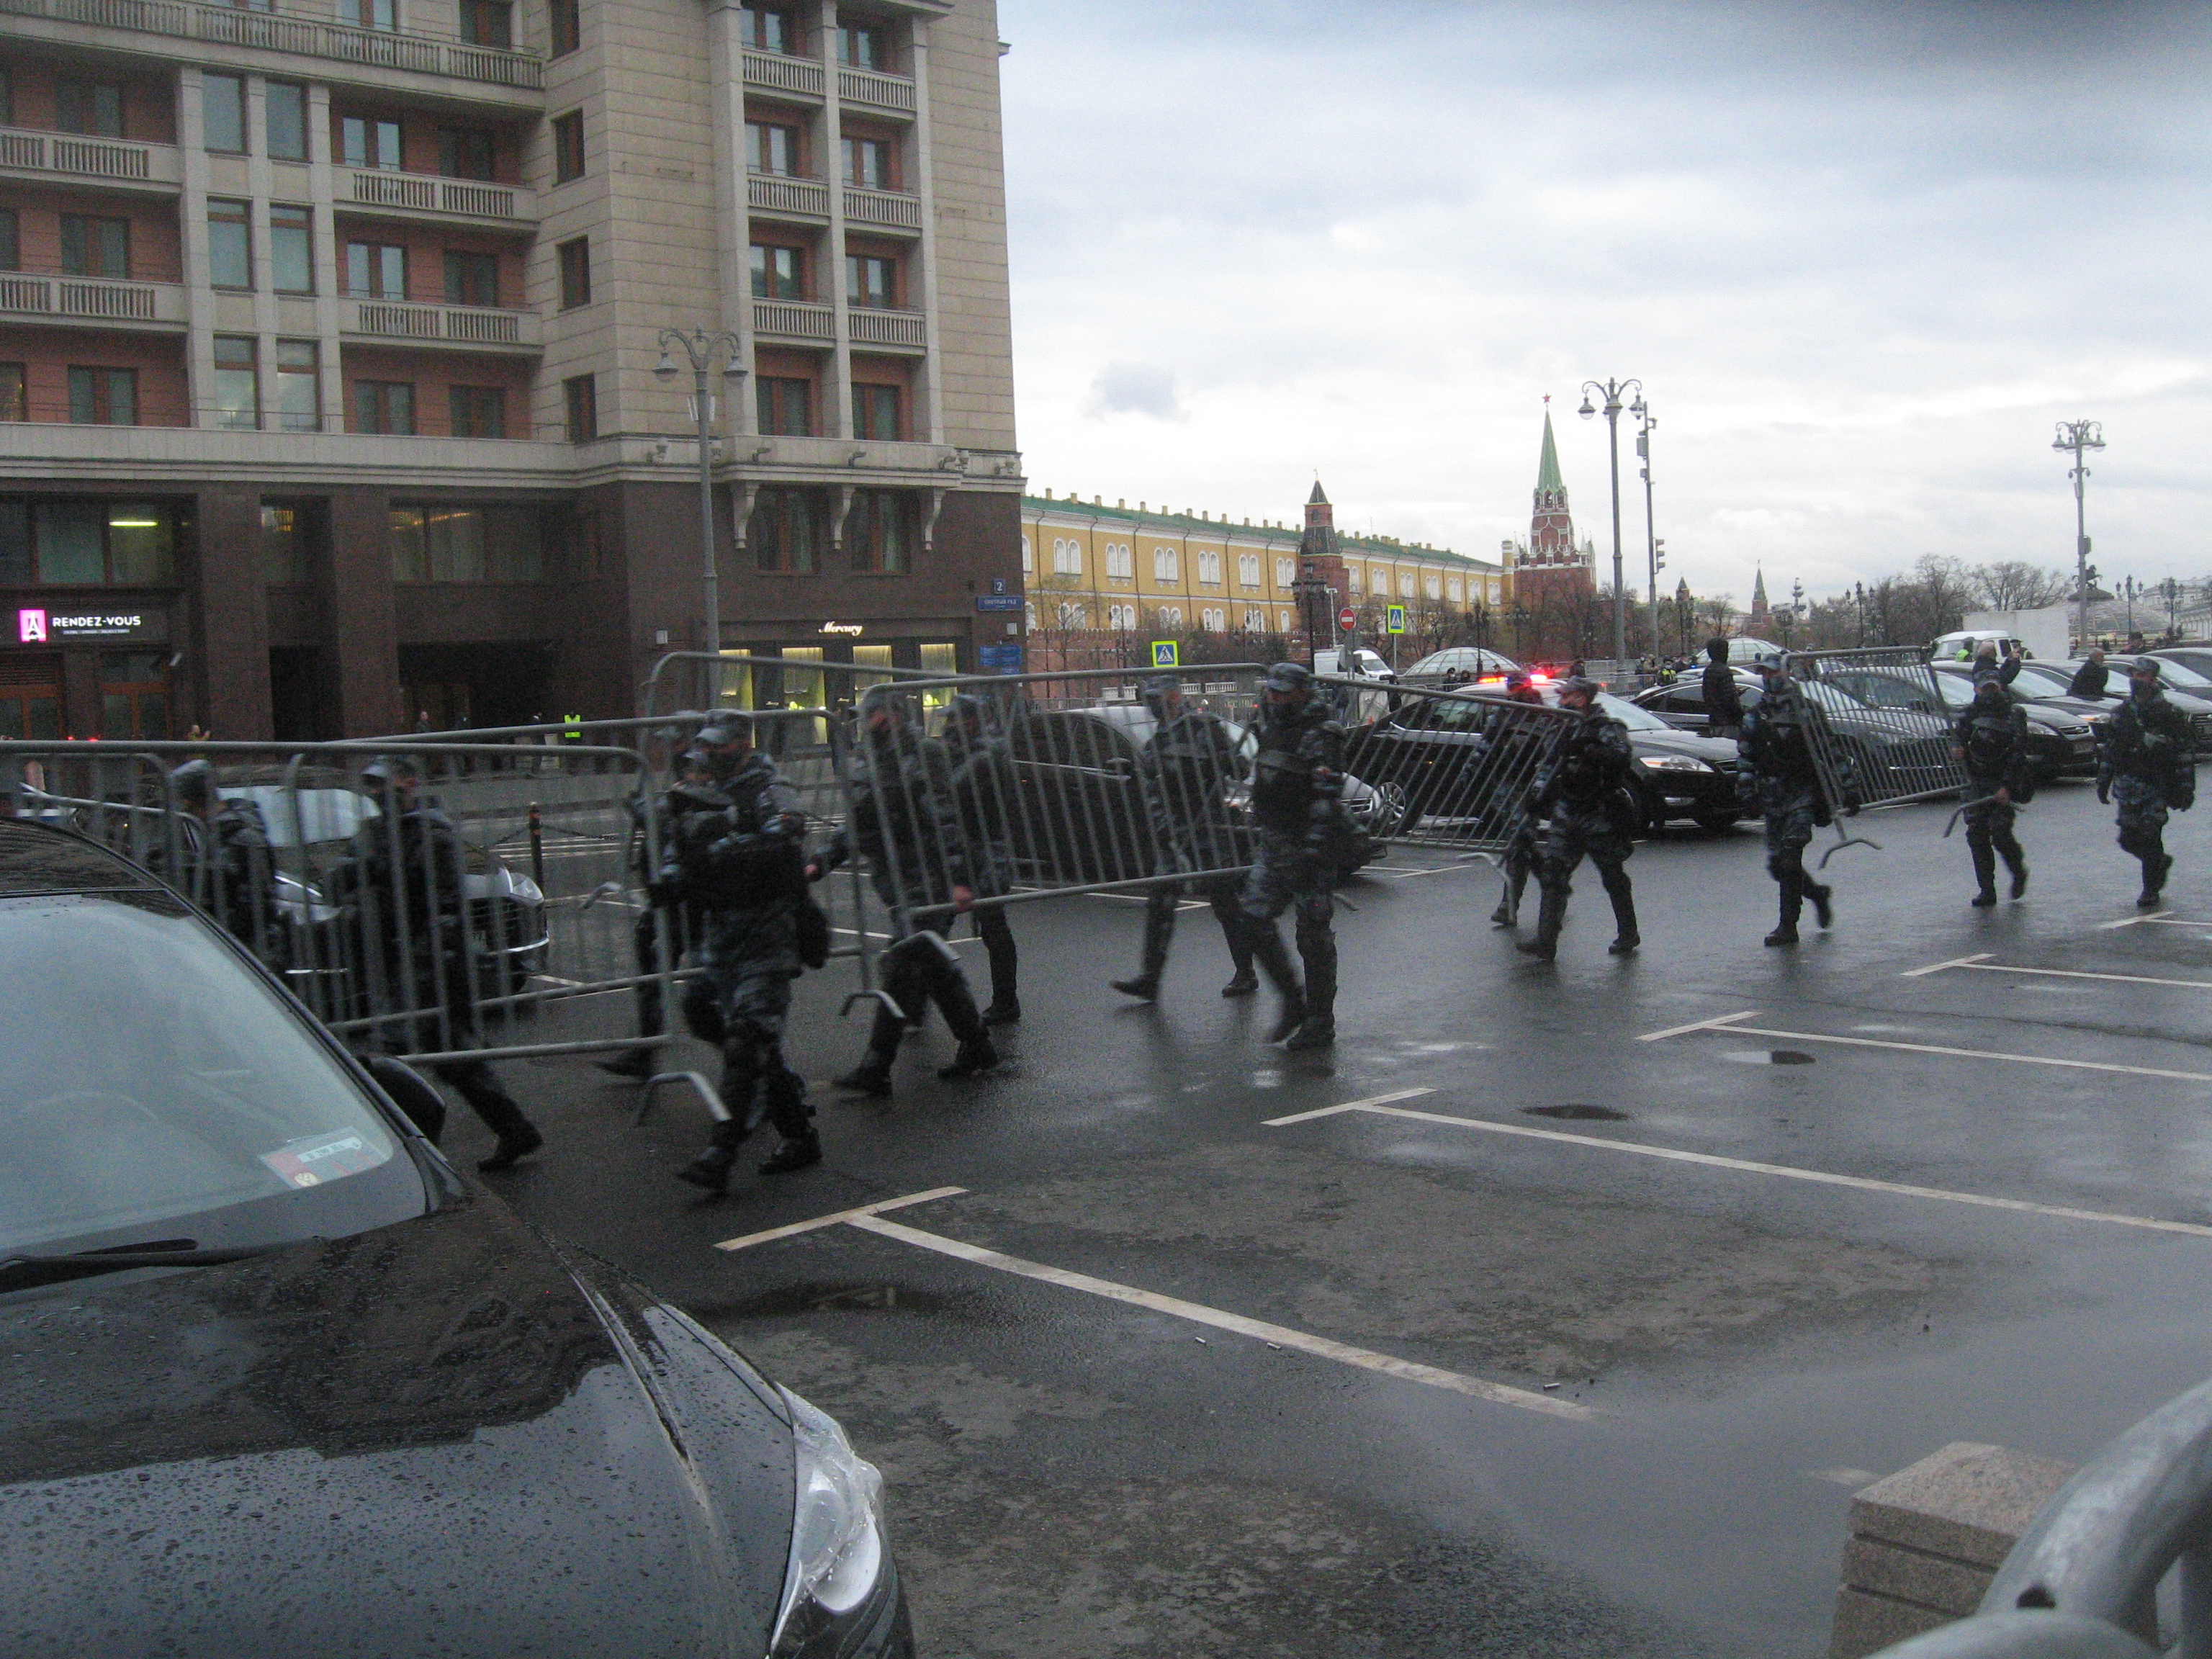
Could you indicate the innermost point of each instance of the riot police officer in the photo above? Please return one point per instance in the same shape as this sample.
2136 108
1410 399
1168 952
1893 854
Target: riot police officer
983 790
1297 782
902 818
225 867
667 923
733 851
2148 761
1582 799
1186 768
1777 773
1991 742
403 887
1524 848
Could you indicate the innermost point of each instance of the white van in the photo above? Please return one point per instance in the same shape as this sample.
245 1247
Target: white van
1365 665
1961 646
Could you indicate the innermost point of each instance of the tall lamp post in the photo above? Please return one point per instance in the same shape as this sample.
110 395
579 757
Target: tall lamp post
1612 390
2080 437
1646 421
702 347
1315 596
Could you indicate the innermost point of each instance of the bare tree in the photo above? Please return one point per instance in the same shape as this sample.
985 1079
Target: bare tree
2016 585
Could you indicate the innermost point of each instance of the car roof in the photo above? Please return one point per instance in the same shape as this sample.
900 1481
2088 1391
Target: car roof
37 858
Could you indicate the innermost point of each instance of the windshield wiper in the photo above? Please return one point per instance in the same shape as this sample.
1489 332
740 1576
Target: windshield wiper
21 1272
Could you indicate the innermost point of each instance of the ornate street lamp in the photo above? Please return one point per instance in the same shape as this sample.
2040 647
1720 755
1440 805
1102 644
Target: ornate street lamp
702 347
1611 390
2080 437
1647 421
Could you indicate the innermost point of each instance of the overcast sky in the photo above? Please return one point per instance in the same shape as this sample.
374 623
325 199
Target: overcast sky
1861 257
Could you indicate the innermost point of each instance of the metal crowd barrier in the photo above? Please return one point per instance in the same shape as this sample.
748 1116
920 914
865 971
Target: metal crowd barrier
1884 712
2083 1581
511 937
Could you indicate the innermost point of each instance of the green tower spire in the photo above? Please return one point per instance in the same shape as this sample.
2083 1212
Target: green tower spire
1547 469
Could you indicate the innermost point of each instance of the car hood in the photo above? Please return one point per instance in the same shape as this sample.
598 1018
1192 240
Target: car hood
1712 750
443 1436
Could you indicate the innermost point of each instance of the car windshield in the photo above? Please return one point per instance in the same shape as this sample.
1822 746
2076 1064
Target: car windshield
305 817
2051 677
153 1087
2175 674
1635 719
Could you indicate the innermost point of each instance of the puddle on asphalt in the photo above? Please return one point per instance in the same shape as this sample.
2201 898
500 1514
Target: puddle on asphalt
829 1296
1768 1057
1579 1114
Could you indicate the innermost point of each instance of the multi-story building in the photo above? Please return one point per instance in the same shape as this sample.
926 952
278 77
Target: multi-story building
328 333
1100 579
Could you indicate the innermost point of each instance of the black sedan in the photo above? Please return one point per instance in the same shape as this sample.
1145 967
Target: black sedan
2061 741
1899 751
281 1381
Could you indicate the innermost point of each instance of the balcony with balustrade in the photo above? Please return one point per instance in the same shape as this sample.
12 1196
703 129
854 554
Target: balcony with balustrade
94 302
786 195
70 158
453 328
429 198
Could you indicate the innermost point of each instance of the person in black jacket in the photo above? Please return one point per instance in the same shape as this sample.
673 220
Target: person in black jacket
1778 774
1990 741
1578 800
1724 701
2149 761
1525 848
983 790
2091 679
226 867
1298 783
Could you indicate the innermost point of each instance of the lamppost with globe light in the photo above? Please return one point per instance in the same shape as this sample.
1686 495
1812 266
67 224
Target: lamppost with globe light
2079 437
1612 390
702 347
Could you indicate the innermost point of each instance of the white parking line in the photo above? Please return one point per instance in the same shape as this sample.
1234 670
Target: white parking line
798 1227
2133 921
1821 1177
1426 870
1983 964
1726 1023
1349 1106
1281 1335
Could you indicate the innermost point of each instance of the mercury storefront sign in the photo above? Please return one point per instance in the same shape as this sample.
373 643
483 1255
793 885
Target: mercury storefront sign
39 626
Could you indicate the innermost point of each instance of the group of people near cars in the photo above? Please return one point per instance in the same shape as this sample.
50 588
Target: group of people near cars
728 895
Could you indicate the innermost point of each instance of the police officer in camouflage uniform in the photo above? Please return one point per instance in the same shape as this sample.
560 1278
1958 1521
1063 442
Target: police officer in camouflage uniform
226 867
733 850
2148 761
1185 769
667 922
1777 775
1525 848
1990 741
1296 783
983 787
902 818
1581 798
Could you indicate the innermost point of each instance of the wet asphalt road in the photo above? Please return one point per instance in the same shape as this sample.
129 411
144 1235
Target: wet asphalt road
1073 1475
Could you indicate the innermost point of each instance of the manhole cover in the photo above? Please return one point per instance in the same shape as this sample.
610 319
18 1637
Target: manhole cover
1593 1114
1768 1057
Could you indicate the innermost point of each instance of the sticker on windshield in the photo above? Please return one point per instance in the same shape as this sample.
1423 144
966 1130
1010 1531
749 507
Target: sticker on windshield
313 1160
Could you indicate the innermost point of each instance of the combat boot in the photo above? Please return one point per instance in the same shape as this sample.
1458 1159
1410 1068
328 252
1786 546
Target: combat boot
1824 909
1145 988
2020 878
1985 877
637 1065
797 1152
2155 864
872 1077
711 1169
1793 906
1550 916
1242 983
971 1059
1508 913
1318 1029
1624 918
1274 960
1003 1011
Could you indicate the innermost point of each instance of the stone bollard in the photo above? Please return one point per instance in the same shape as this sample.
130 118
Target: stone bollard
1926 1541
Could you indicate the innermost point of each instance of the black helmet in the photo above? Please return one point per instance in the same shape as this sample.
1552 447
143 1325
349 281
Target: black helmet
1579 685
1159 690
1289 676
386 770
886 697
721 731
970 711
1989 689
194 783
1517 680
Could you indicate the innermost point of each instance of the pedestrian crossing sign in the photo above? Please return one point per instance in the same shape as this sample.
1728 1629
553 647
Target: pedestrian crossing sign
1164 655
1393 619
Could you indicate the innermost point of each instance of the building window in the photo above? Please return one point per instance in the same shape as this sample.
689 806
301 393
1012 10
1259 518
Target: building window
1405 584
366 141
1453 591
478 411
1351 579
773 147
11 245
134 694
438 544
94 247
283 548
878 532
1066 556
767 29
291 249
285 121
1167 565
567 26
488 23
467 152
370 14
575 273
868 164
7 97
72 543
786 407
1121 616
1169 616
567 147
104 397
1432 587
1209 567
1029 558
376 270
1120 562
237 388
1283 621
471 279
580 402
223 113
862 47
88 107
1073 615
785 532
1214 621
876 413
384 406
779 273
12 405
1255 622
1285 573
870 280
230 244
1248 570
299 386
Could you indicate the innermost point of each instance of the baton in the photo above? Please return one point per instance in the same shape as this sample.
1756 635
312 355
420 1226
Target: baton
1967 806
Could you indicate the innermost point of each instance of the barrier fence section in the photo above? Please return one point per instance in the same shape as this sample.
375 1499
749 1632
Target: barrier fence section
1884 736
499 920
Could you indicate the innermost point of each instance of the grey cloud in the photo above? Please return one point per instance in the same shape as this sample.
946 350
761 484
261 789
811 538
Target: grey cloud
1137 389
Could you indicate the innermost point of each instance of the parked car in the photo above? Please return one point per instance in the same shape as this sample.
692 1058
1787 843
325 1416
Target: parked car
1478 661
2185 688
2197 659
2060 742
1360 663
281 1379
1898 749
1080 814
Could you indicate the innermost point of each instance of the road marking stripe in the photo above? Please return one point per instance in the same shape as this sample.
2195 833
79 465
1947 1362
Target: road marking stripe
1349 1106
1280 1335
1955 962
1937 1049
2133 921
797 1227
1983 965
1701 1025
1820 1177
1427 870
